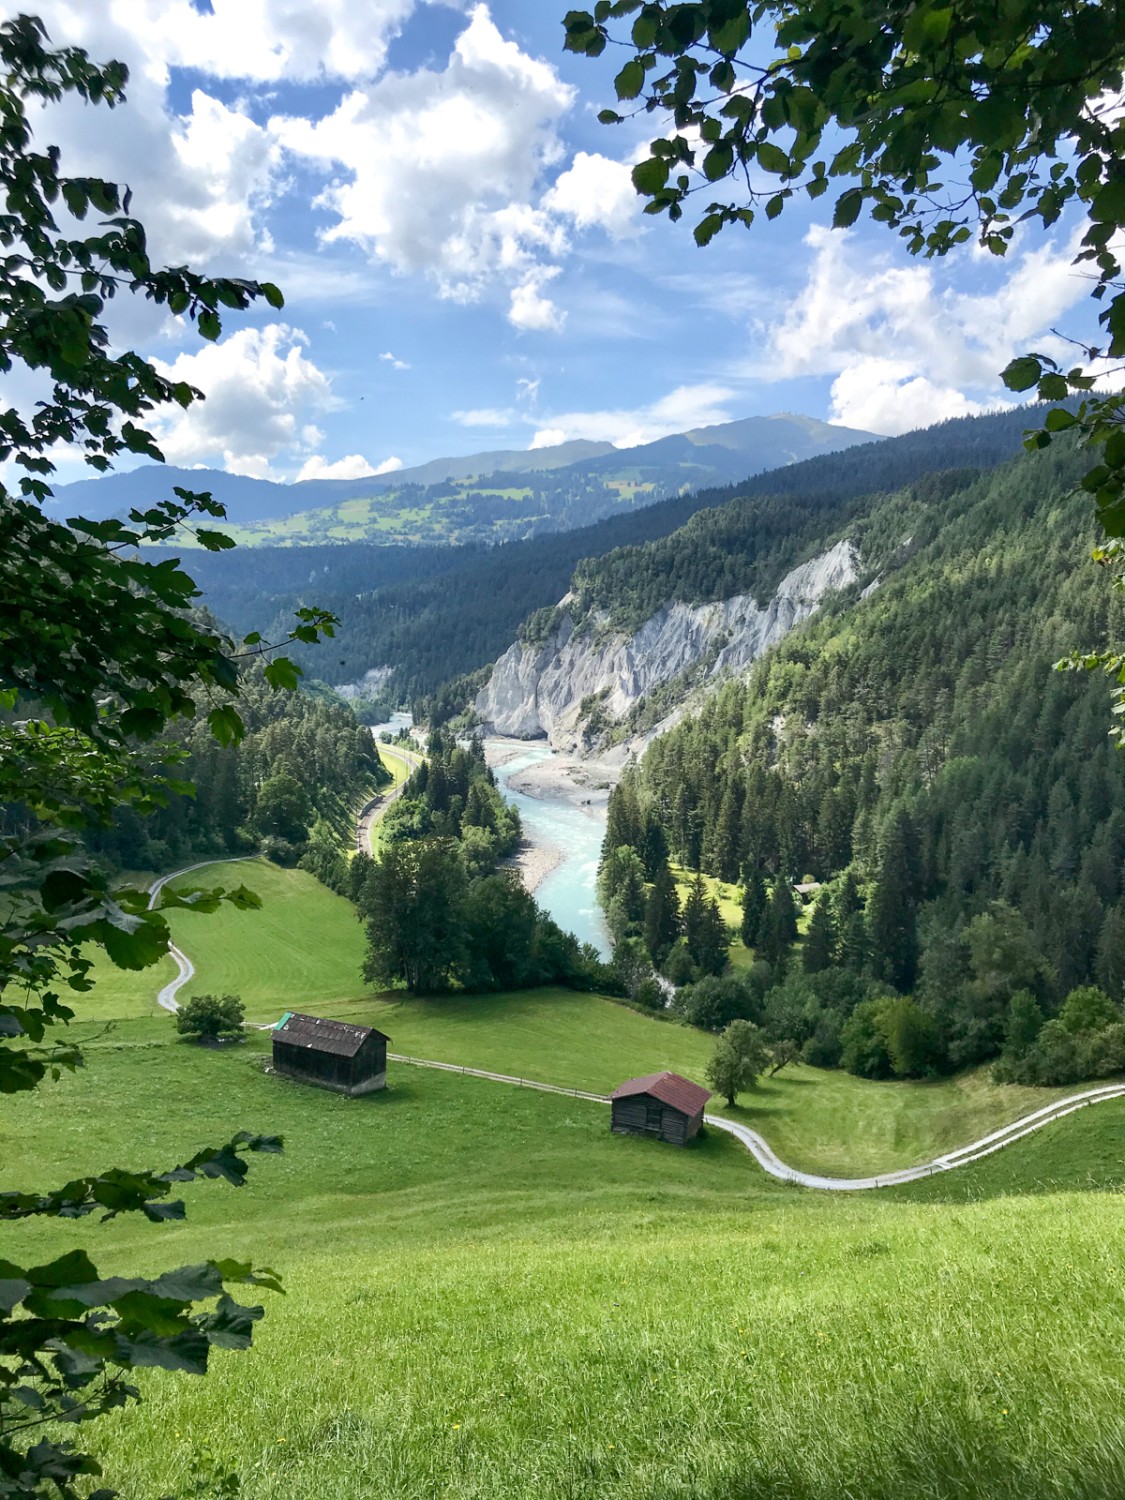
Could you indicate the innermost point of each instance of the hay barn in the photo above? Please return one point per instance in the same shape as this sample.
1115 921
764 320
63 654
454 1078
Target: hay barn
660 1104
331 1054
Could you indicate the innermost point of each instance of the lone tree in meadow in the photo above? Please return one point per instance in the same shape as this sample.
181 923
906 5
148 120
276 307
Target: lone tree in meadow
212 1018
740 1057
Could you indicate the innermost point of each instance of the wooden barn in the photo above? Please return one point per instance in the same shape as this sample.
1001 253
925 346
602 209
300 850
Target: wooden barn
660 1104
331 1054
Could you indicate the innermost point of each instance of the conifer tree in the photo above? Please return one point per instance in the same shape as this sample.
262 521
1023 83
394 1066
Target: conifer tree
819 948
779 927
1110 966
705 932
662 915
892 911
753 907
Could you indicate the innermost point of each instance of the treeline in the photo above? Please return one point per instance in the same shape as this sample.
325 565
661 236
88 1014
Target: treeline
448 613
295 779
773 522
960 805
441 912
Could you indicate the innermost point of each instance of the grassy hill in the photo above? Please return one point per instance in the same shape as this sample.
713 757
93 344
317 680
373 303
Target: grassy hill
490 1296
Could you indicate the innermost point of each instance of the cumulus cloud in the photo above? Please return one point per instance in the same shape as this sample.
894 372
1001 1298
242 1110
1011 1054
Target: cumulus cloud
440 169
262 392
906 350
686 407
352 466
596 191
201 175
395 364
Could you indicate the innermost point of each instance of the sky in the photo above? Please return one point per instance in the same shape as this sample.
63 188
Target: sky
465 263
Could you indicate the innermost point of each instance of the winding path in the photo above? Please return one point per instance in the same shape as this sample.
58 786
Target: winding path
185 968
372 811
770 1162
758 1147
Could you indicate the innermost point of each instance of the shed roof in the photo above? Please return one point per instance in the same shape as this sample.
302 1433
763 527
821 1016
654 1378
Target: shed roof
669 1088
319 1034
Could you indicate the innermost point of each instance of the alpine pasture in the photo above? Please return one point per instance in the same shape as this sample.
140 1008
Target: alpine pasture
489 1296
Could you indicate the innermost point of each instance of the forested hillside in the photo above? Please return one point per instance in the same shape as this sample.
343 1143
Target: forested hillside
963 803
294 780
456 610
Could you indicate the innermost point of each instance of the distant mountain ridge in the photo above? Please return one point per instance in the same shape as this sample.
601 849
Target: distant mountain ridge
592 478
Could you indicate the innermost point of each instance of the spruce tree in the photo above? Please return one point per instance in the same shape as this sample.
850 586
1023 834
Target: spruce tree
705 932
779 927
1110 964
753 907
662 915
819 949
891 911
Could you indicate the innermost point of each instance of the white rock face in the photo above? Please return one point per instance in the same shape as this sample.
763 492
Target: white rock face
537 692
368 686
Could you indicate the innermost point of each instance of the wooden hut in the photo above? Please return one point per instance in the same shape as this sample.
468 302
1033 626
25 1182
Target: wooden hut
331 1054
660 1104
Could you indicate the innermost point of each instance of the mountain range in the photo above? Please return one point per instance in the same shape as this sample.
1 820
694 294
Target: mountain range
489 496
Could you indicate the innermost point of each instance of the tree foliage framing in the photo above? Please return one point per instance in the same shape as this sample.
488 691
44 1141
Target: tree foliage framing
945 120
99 656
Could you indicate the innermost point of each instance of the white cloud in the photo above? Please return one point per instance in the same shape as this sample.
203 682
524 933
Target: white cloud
395 364
886 396
906 350
352 466
596 192
487 416
261 390
441 170
200 178
530 310
686 407
261 40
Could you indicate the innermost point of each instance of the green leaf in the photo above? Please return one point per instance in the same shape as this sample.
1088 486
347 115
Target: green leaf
771 158
209 325
215 541
631 80
1109 204
707 228
650 176
272 294
718 161
1021 374
1059 420
282 674
226 724
847 210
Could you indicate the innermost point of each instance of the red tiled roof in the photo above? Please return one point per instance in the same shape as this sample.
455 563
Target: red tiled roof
669 1088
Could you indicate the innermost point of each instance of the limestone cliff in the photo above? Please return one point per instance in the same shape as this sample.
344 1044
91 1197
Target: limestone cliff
550 690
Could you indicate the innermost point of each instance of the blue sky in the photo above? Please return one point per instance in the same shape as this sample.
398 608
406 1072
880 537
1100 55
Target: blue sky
464 260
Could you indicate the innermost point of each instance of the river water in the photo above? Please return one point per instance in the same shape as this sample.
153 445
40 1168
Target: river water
554 822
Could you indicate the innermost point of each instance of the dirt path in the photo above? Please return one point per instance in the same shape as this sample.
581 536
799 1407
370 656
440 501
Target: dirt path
770 1162
756 1144
376 808
185 968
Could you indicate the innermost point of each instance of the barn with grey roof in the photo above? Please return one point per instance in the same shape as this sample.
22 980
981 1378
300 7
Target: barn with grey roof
330 1054
663 1105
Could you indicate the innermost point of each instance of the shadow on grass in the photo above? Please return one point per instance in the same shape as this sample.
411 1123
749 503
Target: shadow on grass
968 1463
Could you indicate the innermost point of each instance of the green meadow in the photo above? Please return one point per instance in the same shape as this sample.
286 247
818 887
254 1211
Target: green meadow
488 1295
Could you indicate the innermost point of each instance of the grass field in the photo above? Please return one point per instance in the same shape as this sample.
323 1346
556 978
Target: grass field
304 949
490 1296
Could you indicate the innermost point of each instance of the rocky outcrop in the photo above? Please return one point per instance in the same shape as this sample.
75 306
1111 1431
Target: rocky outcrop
549 690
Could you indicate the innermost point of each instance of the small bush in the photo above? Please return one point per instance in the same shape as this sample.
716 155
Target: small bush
212 1018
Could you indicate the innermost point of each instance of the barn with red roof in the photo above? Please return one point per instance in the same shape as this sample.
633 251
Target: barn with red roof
663 1105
